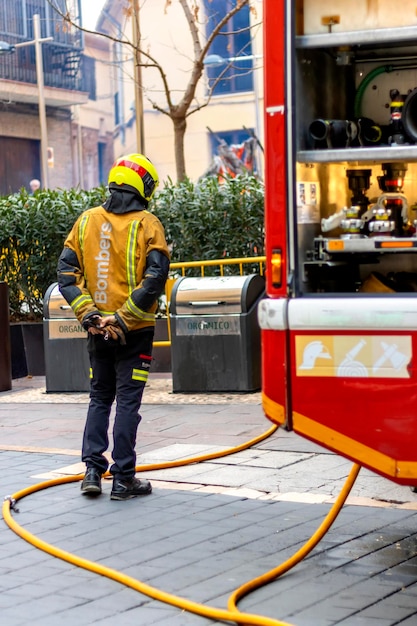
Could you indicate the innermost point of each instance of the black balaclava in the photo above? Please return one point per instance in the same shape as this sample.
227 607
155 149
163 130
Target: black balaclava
123 199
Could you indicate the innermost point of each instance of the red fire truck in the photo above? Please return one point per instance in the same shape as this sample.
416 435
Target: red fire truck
339 323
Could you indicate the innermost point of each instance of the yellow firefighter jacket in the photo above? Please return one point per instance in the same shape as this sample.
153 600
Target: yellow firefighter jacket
115 264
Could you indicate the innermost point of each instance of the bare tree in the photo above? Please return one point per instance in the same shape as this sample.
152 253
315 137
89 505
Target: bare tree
179 111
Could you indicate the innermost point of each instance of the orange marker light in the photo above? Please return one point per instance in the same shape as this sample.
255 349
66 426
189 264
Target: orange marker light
397 244
276 268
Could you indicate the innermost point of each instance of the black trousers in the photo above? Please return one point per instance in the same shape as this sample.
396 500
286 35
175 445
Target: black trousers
117 373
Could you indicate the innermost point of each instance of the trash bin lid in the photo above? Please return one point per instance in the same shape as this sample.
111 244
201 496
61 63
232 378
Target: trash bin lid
55 306
215 294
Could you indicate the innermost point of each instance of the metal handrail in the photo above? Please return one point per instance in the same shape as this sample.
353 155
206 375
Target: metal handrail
221 263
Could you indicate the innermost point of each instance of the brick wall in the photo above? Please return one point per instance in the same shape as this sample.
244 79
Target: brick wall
63 139
25 124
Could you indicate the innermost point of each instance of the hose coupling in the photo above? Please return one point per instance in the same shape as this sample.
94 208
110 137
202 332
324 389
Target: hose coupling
12 503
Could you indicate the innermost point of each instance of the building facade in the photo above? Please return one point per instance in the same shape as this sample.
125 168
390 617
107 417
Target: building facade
43 133
98 105
231 113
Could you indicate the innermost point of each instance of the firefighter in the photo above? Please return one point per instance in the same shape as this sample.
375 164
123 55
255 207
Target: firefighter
112 270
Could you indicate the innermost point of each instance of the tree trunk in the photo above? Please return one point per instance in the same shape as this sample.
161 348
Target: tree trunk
180 126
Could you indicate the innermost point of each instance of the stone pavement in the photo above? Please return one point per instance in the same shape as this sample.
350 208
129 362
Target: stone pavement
207 528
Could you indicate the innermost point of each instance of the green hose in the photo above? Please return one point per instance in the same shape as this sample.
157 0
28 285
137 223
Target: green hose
364 84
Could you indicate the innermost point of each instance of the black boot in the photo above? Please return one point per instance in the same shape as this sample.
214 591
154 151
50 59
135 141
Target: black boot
91 484
125 489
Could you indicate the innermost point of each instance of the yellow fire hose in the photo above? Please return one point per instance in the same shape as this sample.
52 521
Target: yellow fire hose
232 614
274 573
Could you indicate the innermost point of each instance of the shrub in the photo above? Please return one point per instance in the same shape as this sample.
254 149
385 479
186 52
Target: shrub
208 220
32 233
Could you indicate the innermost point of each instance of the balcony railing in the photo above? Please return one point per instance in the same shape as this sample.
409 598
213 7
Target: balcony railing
16 21
61 56
61 65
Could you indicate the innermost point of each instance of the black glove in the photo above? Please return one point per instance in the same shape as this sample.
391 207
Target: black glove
92 320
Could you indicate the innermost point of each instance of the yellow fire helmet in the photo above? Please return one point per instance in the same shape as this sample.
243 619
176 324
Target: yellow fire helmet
137 171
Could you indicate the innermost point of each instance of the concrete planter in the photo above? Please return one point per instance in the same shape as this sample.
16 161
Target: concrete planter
5 356
27 350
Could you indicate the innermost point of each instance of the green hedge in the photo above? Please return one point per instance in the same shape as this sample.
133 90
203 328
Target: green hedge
202 221
208 220
32 232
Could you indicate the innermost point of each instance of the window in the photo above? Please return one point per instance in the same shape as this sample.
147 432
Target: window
117 116
12 21
233 41
101 161
16 18
233 149
89 76
231 137
36 7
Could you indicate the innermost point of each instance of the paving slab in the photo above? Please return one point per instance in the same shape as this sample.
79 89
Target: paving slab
206 528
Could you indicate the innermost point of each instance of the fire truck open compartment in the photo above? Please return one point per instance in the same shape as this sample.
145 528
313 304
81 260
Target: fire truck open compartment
354 137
